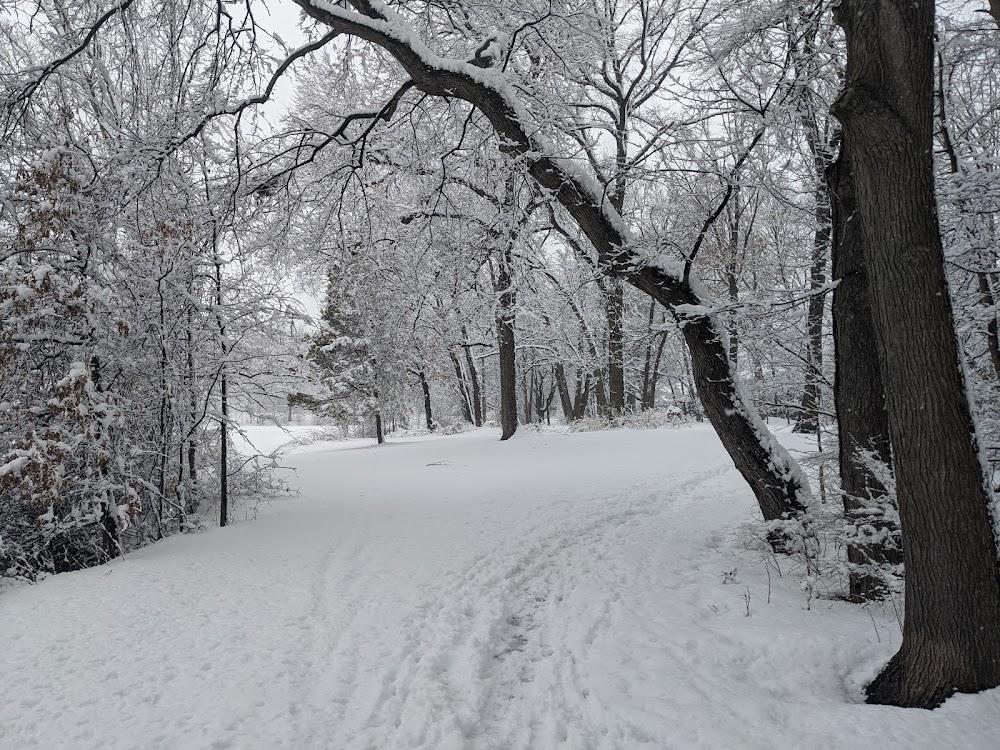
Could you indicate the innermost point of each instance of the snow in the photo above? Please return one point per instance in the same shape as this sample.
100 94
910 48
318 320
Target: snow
554 591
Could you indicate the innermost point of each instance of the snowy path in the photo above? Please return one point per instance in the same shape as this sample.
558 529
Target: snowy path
557 591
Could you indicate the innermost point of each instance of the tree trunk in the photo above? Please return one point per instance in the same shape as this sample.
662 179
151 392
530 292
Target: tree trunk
477 391
379 432
732 269
224 401
601 394
191 495
655 375
951 634
463 389
224 452
615 307
780 493
858 394
506 345
808 421
565 400
425 387
646 399
582 395
528 394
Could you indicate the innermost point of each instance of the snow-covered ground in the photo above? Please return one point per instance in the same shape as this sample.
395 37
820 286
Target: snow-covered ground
554 591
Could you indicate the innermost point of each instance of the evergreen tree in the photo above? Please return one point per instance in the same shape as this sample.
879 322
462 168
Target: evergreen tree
344 358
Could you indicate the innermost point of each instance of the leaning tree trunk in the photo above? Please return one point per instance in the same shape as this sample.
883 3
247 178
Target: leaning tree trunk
780 488
776 480
951 633
463 389
859 396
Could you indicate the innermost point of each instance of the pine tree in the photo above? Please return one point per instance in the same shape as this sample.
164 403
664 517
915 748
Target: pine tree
344 358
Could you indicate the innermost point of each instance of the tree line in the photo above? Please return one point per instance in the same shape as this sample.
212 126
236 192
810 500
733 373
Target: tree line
560 209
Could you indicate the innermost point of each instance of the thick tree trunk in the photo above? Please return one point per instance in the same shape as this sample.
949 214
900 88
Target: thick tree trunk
780 494
379 432
951 633
506 345
858 394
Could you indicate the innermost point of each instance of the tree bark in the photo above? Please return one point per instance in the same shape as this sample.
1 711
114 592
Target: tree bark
505 343
858 393
477 391
425 387
654 378
808 421
463 388
615 307
951 634
583 386
223 390
565 400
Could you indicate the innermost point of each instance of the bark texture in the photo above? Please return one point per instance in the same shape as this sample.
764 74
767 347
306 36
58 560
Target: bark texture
506 345
426 388
951 634
808 420
858 393
615 308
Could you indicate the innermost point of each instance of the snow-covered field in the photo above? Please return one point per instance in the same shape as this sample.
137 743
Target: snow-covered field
554 591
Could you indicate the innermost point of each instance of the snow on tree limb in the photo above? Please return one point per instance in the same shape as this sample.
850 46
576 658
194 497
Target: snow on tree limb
489 91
